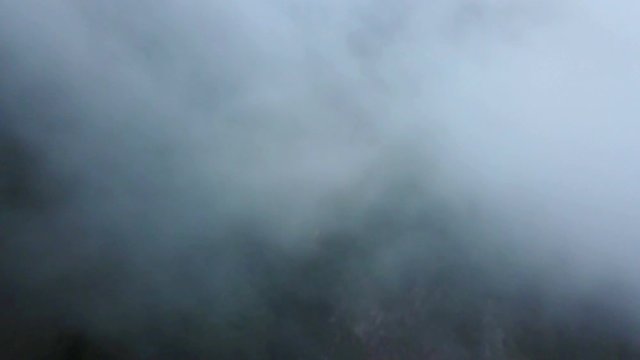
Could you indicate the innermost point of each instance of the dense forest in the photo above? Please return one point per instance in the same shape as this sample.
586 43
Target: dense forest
239 295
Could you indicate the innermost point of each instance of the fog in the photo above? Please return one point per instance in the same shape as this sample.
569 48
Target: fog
343 179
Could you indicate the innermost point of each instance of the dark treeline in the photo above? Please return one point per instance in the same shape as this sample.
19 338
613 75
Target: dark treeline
334 302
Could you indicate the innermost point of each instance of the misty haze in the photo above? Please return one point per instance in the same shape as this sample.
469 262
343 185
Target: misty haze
309 180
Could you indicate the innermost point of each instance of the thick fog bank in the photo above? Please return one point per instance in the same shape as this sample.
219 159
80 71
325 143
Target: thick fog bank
334 180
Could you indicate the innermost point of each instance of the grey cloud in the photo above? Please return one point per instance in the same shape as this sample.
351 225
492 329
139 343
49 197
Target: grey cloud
294 180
